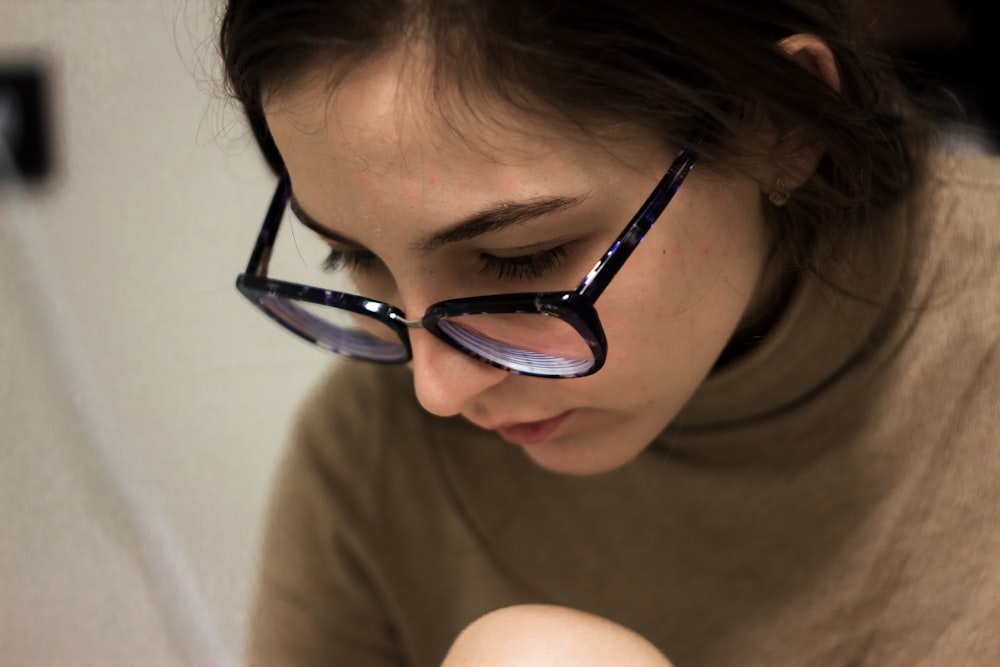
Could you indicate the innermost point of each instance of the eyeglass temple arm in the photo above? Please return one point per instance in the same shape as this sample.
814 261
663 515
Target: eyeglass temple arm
606 268
257 266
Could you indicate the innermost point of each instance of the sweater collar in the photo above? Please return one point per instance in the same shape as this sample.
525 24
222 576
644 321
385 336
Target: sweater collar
835 321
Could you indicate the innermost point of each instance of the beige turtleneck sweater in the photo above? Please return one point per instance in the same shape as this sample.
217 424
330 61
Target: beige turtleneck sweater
831 497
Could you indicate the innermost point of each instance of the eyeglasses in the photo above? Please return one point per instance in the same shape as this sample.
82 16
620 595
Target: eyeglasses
543 334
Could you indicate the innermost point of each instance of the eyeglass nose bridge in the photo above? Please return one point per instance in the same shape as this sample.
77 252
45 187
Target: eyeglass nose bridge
409 324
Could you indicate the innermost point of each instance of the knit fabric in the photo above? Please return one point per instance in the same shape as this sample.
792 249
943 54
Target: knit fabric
830 497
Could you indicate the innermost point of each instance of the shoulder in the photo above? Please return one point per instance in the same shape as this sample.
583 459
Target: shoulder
357 402
957 218
321 590
976 170
357 417
962 198
361 434
958 277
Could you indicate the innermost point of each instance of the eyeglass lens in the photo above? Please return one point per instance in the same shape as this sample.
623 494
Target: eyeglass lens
338 330
532 343
525 342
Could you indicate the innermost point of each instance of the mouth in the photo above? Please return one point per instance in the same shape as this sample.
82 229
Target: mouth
532 433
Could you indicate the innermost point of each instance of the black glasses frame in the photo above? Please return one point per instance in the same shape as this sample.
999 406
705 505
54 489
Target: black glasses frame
575 307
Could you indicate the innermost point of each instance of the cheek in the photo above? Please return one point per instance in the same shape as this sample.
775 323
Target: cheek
678 306
374 282
708 270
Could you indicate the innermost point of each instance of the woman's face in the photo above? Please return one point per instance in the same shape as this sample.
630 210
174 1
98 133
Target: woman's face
374 163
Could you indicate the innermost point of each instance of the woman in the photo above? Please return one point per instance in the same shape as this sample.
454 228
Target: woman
694 339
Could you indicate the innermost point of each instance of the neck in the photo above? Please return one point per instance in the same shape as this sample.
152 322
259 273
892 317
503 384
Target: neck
770 299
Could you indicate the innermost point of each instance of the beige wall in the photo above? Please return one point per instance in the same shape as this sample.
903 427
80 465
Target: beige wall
142 402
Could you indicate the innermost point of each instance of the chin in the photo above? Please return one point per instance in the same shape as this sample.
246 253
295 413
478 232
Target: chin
581 459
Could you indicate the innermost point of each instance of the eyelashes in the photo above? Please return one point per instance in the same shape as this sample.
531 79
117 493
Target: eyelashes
525 267
339 260
521 267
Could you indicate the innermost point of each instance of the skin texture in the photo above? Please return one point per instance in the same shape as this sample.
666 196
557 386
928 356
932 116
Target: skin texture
549 636
373 161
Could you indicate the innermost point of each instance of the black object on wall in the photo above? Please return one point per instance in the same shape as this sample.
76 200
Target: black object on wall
25 145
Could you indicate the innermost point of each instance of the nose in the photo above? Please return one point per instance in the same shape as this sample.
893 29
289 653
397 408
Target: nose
445 380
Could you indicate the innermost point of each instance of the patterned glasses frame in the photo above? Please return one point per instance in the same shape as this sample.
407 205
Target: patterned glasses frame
575 307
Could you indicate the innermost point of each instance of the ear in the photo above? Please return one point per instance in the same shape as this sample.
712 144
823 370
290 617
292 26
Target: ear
802 153
813 55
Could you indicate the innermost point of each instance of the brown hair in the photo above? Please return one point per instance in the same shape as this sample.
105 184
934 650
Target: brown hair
682 69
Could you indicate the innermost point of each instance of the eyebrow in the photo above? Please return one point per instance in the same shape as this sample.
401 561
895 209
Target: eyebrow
489 220
312 224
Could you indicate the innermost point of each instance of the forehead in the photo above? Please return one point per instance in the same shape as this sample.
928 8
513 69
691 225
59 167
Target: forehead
390 114
383 114
375 150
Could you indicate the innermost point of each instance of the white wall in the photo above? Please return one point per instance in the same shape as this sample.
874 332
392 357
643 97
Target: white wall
142 402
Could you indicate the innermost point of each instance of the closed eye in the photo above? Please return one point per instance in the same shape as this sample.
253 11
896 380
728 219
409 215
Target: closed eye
525 267
355 260
522 267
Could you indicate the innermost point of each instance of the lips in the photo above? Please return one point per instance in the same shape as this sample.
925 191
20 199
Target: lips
532 433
